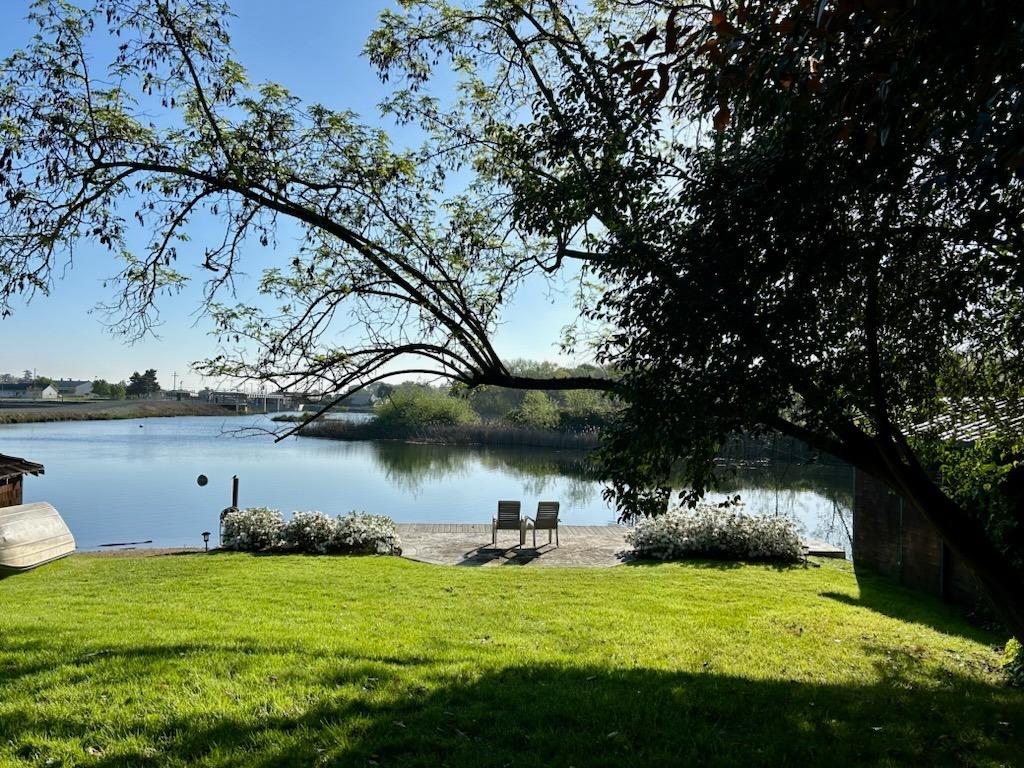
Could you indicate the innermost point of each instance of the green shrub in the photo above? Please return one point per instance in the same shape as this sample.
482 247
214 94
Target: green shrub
986 478
1013 662
584 410
415 405
536 411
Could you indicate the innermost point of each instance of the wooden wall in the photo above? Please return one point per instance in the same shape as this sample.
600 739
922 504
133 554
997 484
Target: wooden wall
892 538
10 492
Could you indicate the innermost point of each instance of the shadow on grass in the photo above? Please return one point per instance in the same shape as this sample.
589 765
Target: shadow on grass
417 712
720 564
882 595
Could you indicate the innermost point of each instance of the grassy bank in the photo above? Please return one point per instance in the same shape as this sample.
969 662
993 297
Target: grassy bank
235 660
112 409
485 433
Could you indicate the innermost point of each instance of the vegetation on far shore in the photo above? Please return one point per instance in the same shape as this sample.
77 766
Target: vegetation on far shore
110 410
484 433
233 659
485 415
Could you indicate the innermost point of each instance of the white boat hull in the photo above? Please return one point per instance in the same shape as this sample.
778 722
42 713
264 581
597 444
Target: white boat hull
31 535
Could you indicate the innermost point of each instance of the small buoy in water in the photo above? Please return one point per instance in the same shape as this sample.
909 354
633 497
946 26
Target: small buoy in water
140 426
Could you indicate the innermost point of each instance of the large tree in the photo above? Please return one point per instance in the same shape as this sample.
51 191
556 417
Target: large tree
422 269
143 384
844 252
806 216
801 215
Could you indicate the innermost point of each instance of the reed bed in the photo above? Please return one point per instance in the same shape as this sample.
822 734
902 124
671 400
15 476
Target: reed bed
108 411
462 434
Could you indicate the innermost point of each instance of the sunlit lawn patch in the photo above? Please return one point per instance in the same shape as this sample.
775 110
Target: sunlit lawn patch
221 659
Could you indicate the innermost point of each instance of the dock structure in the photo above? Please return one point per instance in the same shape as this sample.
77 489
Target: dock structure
819 548
582 546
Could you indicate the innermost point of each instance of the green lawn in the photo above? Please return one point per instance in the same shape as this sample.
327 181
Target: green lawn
218 660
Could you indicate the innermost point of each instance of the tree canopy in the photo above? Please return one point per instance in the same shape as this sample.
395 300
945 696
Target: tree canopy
141 384
387 244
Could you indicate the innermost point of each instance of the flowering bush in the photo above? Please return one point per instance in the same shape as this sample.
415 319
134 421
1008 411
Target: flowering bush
311 532
711 531
362 533
258 528
251 530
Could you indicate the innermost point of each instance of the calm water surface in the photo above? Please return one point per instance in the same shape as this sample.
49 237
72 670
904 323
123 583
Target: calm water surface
135 480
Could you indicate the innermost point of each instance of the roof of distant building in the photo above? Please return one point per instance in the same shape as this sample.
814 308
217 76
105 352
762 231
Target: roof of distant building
971 421
21 385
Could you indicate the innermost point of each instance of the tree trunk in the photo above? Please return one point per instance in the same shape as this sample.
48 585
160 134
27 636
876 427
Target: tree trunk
967 539
1002 583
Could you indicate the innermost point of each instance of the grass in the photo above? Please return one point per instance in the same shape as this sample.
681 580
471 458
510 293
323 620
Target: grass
238 660
107 410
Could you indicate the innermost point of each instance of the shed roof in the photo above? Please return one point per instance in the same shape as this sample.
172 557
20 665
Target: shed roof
972 421
12 465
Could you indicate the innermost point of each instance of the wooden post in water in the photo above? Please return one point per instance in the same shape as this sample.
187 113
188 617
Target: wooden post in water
234 491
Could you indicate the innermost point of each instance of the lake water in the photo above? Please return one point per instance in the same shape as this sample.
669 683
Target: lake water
135 480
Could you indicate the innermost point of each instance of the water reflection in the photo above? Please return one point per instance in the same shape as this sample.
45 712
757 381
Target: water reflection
135 480
413 467
818 496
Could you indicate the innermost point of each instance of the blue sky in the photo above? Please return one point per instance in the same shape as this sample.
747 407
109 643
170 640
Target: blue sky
314 48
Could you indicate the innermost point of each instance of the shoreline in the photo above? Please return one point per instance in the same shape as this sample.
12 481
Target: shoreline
470 435
110 410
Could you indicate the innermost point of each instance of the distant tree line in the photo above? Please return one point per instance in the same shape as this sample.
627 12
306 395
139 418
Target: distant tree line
138 385
26 377
419 405
103 388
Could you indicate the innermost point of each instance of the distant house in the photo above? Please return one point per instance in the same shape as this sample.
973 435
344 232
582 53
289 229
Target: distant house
72 388
28 391
892 538
177 394
12 472
361 398
225 397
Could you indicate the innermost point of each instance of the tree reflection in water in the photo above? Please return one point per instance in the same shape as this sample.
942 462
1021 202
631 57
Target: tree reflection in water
411 466
819 496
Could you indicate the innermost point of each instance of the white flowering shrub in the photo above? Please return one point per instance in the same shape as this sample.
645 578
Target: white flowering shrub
712 531
362 533
251 530
259 529
311 532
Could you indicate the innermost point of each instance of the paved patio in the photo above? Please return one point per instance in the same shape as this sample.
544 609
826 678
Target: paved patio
582 546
